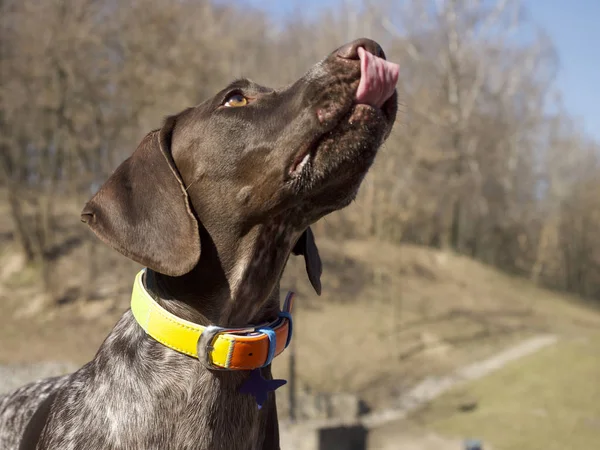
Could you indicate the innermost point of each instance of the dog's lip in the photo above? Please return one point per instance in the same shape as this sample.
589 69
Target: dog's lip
303 154
307 150
385 108
311 148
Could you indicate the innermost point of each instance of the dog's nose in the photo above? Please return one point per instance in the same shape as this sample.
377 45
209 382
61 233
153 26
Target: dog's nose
350 50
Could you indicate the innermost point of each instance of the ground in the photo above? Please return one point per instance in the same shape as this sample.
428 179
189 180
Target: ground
547 401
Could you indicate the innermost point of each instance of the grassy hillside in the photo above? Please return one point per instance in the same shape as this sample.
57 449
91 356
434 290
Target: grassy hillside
392 315
547 401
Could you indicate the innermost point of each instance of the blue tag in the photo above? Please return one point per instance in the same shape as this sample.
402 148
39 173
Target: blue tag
259 387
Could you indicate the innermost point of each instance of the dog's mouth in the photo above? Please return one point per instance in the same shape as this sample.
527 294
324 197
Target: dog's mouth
374 103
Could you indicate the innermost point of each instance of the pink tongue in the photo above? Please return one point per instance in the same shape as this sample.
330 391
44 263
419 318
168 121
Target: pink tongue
378 79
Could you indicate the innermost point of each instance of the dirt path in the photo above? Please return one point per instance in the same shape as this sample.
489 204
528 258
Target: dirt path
388 430
430 388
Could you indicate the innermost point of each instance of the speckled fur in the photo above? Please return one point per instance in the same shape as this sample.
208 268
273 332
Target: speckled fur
145 385
16 408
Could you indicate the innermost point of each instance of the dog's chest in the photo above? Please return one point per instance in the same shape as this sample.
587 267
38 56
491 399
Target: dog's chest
125 417
160 400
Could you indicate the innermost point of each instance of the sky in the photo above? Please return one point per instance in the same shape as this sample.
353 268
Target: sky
574 27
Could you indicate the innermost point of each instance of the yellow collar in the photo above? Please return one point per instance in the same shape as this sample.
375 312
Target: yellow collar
216 347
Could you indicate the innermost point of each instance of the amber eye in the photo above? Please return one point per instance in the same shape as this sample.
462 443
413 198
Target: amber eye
235 101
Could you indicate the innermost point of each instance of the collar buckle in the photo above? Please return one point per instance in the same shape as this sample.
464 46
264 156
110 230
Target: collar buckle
204 346
208 337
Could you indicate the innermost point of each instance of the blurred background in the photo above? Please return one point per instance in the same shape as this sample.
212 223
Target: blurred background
460 291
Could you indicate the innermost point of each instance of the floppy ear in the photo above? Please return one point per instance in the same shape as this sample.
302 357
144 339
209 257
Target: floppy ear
143 210
314 268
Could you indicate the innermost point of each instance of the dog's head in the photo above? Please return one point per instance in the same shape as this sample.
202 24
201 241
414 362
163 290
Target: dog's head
248 155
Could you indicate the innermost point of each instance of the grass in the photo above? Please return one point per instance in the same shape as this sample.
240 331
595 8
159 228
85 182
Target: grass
391 315
547 401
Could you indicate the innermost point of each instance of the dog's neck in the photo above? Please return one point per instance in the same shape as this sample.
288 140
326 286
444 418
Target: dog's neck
235 283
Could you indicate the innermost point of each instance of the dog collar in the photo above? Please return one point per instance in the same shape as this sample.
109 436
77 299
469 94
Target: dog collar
218 348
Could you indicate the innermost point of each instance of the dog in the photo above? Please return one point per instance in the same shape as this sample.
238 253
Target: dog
212 204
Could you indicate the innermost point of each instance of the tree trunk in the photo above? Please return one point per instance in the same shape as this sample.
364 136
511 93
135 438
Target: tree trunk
22 236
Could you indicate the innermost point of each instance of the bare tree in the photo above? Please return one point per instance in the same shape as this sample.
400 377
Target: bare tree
475 162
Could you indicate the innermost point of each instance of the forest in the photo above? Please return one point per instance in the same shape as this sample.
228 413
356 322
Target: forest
484 159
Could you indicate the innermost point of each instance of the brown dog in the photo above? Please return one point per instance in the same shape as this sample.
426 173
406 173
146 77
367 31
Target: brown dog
213 204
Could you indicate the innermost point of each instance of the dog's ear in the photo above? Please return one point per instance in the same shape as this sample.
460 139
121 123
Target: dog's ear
314 268
143 210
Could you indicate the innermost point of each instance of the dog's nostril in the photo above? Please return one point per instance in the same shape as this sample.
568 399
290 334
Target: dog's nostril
350 50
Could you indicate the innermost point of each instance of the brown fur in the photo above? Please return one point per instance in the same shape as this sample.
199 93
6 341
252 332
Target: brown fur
209 205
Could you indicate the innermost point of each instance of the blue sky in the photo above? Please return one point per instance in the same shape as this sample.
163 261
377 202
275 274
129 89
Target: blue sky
574 27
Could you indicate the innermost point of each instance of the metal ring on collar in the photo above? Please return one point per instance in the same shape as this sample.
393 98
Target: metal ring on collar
204 347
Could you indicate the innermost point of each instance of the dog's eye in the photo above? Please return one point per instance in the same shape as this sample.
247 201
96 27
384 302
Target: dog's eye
235 101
